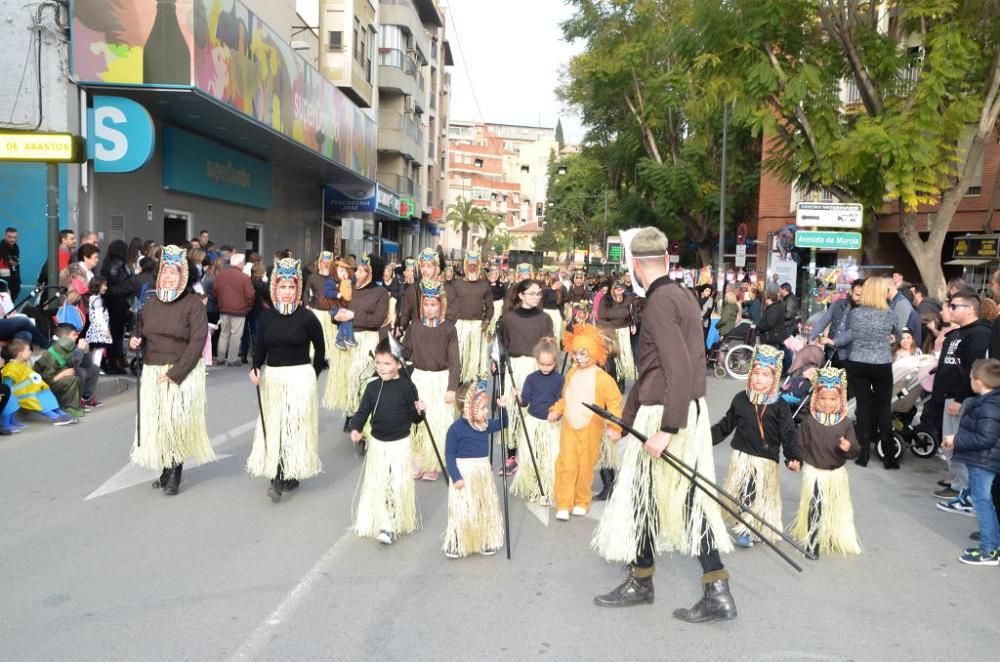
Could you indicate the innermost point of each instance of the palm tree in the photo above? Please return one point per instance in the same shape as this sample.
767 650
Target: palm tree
463 216
489 223
502 240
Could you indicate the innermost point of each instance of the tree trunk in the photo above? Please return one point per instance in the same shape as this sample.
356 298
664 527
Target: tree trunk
705 255
926 254
465 236
871 239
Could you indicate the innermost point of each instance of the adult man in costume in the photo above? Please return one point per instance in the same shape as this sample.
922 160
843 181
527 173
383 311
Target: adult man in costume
654 509
430 269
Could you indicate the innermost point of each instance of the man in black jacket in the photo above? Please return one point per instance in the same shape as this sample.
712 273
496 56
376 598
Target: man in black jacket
10 262
790 304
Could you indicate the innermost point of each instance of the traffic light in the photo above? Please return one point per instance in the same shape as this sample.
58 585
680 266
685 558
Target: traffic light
741 233
675 247
539 212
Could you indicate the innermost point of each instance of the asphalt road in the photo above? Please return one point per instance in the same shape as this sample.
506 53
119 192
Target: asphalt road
96 565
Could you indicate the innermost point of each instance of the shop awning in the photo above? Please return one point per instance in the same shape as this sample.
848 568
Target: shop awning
389 246
969 262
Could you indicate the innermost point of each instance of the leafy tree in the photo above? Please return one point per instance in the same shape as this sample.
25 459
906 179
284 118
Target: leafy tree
559 135
464 216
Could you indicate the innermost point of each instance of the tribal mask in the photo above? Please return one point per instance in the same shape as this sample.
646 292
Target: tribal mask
286 285
432 290
324 262
429 265
477 401
765 375
828 403
523 271
471 265
172 279
363 272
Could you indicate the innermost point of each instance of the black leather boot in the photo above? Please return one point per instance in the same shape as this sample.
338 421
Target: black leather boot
291 484
277 486
161 482
607 484
866 451
633 591
173 485
716 605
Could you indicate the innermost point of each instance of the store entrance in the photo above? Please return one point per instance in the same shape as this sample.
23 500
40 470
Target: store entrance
254 234
176 227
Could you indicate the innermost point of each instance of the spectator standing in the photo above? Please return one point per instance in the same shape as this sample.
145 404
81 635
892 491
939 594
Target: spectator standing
89 237
134 254
903 287
906 315
234 293
923 302
116 272
834 320
772 324
790 303
67 248
10 262
871 328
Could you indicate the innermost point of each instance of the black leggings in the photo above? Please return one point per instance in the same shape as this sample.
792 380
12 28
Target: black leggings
870 384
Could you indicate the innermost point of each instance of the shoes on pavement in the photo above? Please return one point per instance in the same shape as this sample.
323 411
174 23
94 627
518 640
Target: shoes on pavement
448 553
5 432
509 467
945 493
562 515
486 552
578 511
960 505
63 419
384 537
17 426
944 483
743 540
75 412
976 557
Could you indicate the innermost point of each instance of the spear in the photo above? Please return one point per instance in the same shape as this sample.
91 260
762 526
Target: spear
500 351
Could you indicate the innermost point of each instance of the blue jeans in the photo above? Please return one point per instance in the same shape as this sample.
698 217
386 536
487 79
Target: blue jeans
980 491
345 330
24 328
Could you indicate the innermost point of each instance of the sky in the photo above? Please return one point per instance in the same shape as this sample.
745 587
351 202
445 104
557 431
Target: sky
508 55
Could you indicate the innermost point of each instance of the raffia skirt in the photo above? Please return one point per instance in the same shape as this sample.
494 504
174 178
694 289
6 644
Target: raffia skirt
761 474
472 349
624 360
557 325
474 520
431 386
172 420
650 500
329 331
834 529
544 436
522 366
497 311
349 369
386 499
611 457
291 438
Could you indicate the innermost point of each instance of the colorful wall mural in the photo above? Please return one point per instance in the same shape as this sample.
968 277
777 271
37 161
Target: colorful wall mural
225 51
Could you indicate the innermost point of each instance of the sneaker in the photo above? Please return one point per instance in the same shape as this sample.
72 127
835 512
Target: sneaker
486 552
976 557
17 426
63 419
960 505
945 493
975 535
944 483
84 405
4 432
351 343
448 553
384 537
75 412
578 511
94 402
509 467
340 345
743 540
562 515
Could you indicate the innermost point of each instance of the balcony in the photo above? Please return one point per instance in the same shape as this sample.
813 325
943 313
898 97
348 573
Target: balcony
403 185
398 133
399 72
403 14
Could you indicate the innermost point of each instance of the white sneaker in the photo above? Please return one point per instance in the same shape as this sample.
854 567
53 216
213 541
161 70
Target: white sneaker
487 552
384 537
579 511
562 514
451 555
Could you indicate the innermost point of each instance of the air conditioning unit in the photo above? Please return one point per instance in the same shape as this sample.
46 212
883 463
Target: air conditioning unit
409 104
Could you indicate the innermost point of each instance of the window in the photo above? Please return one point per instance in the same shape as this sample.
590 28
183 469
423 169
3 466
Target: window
525 169
335 40
478 163
358 39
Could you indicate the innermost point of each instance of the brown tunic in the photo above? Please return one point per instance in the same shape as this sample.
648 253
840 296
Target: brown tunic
819 444
578 293
435 349
370 305
671 358
473 300
616 315
523 328
411 305
314 293
173 334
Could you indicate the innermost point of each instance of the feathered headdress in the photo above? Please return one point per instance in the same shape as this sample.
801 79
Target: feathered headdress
287 268
433 289
473 398
173 258
588 337
770 359
829 379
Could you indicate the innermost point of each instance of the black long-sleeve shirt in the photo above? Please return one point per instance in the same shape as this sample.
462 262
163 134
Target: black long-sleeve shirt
775 418
395 411
283 340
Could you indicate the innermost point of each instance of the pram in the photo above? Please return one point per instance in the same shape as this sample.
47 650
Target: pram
797 387
908 395
733 354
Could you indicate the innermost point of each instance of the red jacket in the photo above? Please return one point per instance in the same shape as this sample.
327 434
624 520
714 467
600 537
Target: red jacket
233 291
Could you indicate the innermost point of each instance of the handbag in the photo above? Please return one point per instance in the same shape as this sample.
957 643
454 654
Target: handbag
70 314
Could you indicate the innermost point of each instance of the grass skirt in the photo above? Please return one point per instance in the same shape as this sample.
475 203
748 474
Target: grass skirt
288 395
497 311
472 349
745 469
348 371
173 420
474 520
611 457
835 529
431 386
557 325
386 499
329 332
522 367
545 441
624 361
638 510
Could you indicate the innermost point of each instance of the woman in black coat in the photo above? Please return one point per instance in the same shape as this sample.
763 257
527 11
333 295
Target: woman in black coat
116 271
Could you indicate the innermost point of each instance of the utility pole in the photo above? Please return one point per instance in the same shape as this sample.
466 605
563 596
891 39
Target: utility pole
722 208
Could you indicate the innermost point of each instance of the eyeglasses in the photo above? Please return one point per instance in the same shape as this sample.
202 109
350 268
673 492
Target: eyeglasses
535 293
955 306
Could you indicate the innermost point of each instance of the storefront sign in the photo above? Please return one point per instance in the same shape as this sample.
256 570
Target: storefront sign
122 135
828 215
40 147
835 240
987 246
349 200
388 202
193 164
406 207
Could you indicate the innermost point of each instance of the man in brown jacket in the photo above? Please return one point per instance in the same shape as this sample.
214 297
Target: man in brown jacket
234 292
652 510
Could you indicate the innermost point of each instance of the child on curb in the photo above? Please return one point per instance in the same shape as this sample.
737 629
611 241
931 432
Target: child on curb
580 436
541 390
977 445
31 391
387 506
475 524
99 330
341 290
763 426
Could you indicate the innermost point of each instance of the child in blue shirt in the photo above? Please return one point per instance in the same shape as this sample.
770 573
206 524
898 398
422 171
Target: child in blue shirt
541 390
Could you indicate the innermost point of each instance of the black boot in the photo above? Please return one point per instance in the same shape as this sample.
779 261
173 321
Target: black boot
633 591
161 482
866 450
277 486
716 605
291 484
889 461
173 485
607 484
347 422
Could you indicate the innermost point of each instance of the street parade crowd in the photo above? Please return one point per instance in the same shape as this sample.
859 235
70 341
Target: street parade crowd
557 373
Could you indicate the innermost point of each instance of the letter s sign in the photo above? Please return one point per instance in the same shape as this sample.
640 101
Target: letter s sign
120 133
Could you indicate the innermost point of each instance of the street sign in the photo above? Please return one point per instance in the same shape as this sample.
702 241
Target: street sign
828 215
986 246
741 255
835 240
41 147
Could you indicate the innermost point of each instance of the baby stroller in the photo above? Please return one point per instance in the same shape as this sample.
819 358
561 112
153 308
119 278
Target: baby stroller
908 396
733 353
797 387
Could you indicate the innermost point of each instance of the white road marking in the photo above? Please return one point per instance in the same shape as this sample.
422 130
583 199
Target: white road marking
131 475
